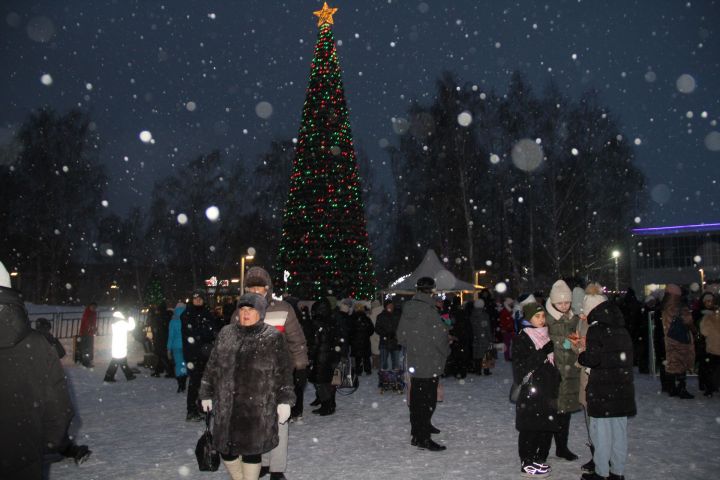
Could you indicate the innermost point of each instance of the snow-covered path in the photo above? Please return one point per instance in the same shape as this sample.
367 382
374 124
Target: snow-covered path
137 430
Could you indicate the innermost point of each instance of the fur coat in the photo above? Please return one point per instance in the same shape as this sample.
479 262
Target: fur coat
247 376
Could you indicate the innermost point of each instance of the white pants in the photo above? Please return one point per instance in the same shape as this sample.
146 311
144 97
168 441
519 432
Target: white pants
276 458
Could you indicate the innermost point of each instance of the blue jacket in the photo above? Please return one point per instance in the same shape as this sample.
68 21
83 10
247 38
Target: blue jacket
175 333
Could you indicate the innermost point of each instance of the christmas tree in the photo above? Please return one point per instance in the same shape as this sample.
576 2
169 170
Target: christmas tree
324 244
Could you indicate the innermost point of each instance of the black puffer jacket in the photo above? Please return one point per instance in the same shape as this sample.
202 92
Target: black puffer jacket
35 408
609 355
536 407
386 327
199 329
247 377
360 332
325 350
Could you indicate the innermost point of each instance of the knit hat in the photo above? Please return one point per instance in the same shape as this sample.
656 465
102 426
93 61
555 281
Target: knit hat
673 289
4 277
560 292
479 303
257 277
593 298
255 301
198 293
530 309
524 299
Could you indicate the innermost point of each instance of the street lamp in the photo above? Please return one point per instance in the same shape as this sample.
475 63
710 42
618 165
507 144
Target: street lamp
616 256
249 256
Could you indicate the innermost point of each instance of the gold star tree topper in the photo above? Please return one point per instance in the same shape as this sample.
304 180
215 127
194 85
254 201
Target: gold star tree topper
325 15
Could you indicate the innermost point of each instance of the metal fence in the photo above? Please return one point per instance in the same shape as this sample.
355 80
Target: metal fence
67 324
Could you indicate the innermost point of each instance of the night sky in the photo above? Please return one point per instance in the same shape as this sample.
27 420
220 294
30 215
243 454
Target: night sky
197 74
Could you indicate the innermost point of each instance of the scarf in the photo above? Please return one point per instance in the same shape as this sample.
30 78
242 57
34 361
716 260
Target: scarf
540 337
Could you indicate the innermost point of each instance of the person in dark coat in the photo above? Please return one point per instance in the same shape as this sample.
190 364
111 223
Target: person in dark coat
68 448
483 335
610 391
199 329
631 309
386 327
160 327
248 384
35 409
534 370
361 329
461 335
324 355
425 338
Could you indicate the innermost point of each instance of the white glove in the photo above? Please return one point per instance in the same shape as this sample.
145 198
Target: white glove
283 412
206 405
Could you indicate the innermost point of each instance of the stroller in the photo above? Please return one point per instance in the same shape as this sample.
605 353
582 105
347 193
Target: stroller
344 378
391 381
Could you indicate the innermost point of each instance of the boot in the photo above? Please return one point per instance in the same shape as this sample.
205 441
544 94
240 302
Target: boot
681 390
430 445
315 402
486 371
235 469
326 409
589 467
182 382
250 471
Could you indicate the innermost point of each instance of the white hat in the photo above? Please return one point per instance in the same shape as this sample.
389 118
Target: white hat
593 298
560 292
4 277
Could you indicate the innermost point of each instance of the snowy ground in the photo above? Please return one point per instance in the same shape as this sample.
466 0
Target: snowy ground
137 431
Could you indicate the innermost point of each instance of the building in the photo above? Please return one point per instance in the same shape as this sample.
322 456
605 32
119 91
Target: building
683 255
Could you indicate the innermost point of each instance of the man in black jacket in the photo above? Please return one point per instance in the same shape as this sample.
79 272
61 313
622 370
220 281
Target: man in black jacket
610 391
386 327
199 329
35 408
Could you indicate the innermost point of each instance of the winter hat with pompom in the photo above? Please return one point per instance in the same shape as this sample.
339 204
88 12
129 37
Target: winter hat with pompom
593 298
560 292
4 277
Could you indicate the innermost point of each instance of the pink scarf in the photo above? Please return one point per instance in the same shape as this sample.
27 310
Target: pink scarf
540 337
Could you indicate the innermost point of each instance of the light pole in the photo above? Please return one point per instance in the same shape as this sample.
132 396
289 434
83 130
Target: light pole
249 256
616 256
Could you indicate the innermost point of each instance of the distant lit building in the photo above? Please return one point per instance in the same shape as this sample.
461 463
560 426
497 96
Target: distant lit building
682 255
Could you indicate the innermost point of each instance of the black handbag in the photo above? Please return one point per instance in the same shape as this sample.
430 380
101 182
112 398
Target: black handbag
208 459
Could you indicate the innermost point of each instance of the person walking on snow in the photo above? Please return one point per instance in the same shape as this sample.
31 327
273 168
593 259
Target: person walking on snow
248 385
88 330
120 329
280 315
175 347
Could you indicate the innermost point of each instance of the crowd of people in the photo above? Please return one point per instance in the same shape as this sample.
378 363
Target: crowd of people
574 351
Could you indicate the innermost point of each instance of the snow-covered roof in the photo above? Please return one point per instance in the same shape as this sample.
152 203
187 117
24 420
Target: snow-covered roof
431 266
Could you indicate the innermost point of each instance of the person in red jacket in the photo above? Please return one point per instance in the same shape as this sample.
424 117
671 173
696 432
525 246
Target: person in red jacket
88 330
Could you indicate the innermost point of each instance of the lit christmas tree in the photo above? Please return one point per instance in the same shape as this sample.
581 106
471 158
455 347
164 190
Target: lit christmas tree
324 244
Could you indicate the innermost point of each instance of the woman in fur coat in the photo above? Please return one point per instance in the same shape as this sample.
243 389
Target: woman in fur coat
248 384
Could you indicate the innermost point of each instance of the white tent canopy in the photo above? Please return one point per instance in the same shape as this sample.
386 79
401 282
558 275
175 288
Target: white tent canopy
431 266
